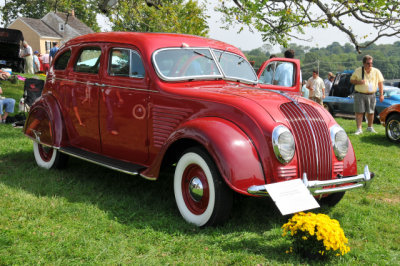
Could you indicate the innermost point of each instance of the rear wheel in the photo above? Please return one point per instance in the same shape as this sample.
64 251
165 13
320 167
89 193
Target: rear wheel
47 157
393 128
201 195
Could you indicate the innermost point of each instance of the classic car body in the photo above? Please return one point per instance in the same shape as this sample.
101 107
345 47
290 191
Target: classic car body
390 119
139 102
341 97
10 43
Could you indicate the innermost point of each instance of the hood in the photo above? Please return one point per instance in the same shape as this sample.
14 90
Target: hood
252 100
269 100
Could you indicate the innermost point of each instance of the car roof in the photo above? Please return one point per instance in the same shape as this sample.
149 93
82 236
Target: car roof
152 41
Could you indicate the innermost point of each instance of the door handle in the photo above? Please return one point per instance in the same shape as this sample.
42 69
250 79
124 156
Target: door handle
100 85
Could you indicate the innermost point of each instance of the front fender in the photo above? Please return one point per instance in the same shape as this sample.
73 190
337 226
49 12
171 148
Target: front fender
44 123
232 150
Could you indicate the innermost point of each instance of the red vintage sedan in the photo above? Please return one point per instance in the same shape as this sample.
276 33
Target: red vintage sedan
142 102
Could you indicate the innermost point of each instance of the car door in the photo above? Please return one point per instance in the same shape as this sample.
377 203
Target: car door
344 95
281 74
82 98
123 106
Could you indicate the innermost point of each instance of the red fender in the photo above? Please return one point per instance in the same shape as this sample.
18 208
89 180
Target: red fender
350 162
232 150
44 123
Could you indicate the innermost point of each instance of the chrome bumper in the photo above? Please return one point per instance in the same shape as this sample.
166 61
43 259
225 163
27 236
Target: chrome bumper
318 187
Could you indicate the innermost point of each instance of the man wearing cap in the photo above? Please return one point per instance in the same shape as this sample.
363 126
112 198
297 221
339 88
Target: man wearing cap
366 80
36 62
328 83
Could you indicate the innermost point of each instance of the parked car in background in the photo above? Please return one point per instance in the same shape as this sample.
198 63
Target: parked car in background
390 119
142 103
10 43
341 97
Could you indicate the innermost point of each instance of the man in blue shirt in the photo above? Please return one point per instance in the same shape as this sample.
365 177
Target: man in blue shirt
284 72
53 51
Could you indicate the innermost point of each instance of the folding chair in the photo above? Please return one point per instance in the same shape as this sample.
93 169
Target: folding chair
32 90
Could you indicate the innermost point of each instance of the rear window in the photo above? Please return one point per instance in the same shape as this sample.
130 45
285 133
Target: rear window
62 61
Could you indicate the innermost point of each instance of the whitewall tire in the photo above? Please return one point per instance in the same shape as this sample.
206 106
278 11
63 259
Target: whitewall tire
47 157
201 195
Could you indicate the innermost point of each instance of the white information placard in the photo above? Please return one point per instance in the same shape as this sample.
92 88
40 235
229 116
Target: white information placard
291 196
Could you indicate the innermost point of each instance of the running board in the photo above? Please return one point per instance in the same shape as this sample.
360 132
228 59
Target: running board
118 165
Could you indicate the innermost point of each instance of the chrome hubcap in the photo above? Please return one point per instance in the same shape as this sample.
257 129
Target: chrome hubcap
394 129
196 189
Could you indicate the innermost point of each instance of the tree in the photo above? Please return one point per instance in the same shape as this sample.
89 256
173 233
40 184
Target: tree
85 10
176 16
280 20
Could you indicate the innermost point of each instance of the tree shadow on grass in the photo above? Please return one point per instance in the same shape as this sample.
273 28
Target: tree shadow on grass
139 203
129 199
379 139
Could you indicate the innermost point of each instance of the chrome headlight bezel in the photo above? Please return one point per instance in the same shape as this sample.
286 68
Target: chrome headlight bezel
283 156
340 142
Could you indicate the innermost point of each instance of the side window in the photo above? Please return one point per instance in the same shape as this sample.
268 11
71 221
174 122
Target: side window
62 61
89 60
125 62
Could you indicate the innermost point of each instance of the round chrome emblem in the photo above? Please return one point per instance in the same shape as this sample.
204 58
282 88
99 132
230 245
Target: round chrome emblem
196 189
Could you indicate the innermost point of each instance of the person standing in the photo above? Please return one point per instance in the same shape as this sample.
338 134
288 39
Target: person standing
27 54
304 90
53 51
36 62
366 80
316 86
284 71
328 83
46 63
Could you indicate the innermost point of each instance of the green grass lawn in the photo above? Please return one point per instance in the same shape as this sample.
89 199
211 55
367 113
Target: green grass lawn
87 214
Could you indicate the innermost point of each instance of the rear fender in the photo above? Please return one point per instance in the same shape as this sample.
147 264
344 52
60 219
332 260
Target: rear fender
44 123
232 150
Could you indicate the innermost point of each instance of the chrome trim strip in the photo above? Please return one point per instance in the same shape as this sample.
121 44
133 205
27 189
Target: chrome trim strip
317 187
148 178
105 85
95 162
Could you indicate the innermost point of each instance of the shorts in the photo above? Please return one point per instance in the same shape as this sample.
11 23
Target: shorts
364 103
8 104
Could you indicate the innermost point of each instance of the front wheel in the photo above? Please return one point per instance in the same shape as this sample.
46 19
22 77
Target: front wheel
201 195
47 157
393 128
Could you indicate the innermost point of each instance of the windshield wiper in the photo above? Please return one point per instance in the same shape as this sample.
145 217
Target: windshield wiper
203 55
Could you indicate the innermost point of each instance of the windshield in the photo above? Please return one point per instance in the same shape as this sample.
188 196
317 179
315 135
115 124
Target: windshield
201 63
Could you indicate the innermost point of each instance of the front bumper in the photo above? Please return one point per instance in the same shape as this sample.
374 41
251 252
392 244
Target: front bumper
325 187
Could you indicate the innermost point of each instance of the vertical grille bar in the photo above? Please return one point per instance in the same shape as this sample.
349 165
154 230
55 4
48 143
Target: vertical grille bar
312 140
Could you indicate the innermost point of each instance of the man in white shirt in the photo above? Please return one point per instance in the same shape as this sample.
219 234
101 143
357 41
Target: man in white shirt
316 86
27 54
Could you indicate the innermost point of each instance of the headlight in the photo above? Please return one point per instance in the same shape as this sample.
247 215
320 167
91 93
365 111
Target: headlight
340 141
283 143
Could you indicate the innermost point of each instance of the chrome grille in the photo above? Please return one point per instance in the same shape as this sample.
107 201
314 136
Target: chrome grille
313 143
